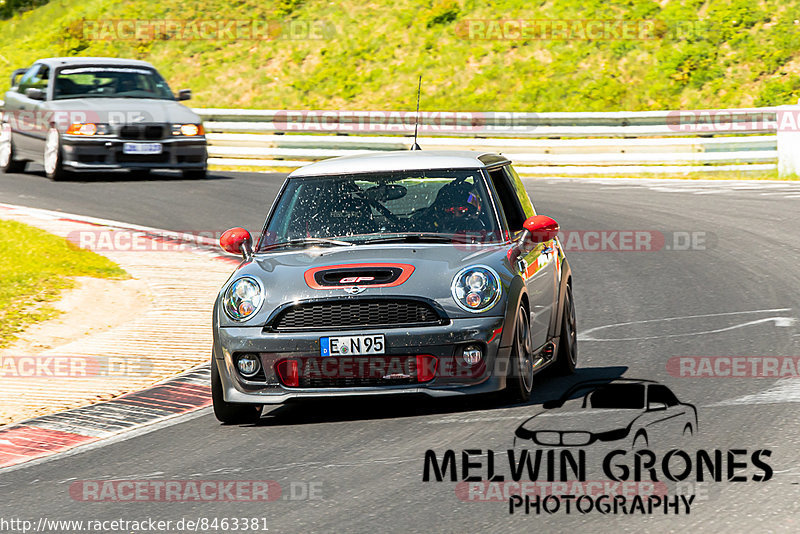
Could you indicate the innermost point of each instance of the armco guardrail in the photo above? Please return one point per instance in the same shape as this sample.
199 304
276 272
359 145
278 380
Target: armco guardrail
538 143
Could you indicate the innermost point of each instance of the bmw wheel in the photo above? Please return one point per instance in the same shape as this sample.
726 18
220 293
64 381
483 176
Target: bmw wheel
7 162
53 166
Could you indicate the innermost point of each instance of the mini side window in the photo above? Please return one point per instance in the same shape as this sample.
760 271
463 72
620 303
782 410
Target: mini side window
507 195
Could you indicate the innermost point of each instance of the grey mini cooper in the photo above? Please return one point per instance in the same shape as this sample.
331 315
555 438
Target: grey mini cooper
419 272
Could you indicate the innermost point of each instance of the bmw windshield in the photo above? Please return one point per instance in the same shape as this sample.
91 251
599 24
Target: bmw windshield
407 206
110 82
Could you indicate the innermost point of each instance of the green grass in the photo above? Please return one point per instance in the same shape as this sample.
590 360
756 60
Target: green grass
705 54
35 267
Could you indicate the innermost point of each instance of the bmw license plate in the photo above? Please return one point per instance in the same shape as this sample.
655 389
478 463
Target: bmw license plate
352 345
142 148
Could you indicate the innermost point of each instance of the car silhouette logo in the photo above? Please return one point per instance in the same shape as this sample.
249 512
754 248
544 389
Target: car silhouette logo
643 413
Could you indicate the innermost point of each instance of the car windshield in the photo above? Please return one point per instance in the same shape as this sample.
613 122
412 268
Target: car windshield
618 396
110 82
429 205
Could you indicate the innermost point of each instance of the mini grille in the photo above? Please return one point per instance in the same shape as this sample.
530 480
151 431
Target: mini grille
355 314
366 372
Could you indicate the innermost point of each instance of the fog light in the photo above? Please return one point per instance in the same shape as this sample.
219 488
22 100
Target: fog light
472 354
248 365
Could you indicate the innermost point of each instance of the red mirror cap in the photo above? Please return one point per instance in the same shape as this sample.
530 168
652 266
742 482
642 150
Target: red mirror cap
231 241
542 228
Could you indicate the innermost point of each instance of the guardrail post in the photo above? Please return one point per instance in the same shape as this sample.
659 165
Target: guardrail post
788 123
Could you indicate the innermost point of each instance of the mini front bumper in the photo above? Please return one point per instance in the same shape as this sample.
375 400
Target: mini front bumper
106 153
452 377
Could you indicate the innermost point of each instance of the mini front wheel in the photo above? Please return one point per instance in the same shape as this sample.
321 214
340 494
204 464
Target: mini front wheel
228 412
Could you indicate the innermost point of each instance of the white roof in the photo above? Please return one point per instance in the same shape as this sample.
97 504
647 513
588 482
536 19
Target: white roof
400 160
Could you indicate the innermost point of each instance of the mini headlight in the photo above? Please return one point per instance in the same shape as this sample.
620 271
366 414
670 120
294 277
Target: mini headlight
243 298
477 288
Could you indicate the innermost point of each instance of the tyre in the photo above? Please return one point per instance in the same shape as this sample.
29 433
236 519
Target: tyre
195 174
7 162
228 412
53 157
519 379
567 356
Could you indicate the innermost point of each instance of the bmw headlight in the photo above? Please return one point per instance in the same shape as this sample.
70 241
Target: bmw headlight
188 130
243 298
476 289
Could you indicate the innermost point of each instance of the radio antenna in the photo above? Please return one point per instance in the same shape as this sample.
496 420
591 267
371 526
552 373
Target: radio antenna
415 146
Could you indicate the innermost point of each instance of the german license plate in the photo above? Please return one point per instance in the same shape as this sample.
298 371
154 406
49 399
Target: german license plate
142 148
352 345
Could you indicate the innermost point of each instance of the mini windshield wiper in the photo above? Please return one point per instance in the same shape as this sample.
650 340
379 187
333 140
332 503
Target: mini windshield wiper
306 241
410 238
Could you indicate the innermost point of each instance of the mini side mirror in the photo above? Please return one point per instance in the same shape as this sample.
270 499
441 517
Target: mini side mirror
237 241
185 94
541 228
537 229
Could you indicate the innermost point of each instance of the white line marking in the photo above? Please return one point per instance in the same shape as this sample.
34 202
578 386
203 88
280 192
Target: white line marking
786 390
779 321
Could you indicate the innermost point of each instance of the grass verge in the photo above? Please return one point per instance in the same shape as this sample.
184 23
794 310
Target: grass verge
696 54
35 267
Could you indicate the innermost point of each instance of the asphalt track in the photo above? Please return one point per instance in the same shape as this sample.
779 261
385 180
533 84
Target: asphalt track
737 296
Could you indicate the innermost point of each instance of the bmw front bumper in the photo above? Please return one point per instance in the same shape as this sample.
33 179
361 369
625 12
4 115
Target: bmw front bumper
106 153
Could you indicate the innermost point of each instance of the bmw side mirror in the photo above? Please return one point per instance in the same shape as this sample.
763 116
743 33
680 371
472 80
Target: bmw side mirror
16 75
656 406
237 241
185 94
34 93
